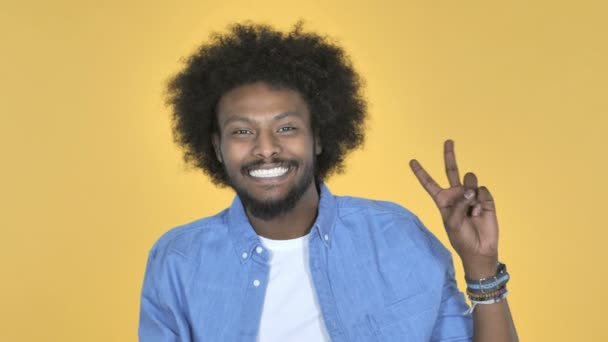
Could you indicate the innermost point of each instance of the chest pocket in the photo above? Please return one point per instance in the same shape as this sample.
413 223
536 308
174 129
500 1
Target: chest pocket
411 319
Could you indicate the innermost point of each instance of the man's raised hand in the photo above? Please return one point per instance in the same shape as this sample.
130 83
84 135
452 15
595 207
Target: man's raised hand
468 213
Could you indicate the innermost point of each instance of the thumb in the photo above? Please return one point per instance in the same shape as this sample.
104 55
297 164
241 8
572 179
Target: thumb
460 209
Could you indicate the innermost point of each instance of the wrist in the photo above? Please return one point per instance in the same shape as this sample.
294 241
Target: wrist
480 268
485 286
487 290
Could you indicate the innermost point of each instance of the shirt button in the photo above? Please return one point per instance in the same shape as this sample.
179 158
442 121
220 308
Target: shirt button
259 249
244 255
256 283
326 237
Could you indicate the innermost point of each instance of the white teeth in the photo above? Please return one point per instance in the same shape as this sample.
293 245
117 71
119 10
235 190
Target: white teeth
267 173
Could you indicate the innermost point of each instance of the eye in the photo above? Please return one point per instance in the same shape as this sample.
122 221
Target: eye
287 129
241 132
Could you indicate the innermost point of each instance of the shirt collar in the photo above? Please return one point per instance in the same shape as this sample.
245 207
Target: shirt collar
326 216
245 239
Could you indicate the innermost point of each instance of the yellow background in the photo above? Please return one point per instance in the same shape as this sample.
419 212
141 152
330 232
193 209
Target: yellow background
90 177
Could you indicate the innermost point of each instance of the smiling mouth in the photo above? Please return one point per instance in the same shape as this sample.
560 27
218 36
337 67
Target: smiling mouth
269 173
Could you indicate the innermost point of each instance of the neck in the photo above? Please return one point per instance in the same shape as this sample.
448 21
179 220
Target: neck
292 224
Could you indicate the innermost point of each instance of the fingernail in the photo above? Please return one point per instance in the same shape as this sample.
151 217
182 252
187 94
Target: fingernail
476 211
469 194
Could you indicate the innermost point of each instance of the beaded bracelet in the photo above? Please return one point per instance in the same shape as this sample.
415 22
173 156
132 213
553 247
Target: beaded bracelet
485 296
474 303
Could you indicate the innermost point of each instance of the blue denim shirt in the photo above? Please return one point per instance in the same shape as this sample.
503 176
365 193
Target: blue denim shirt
379 275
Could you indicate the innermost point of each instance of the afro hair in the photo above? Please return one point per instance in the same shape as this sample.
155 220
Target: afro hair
302 61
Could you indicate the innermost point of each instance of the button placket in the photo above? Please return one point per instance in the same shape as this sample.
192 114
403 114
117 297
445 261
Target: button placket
255 290
322 285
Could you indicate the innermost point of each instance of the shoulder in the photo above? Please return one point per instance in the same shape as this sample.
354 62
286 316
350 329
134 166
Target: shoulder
185 240
348 205
391 224
380 216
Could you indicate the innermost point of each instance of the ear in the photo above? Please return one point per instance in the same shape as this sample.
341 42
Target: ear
318 146
215 140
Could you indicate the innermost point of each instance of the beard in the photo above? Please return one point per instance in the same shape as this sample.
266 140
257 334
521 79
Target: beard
268 209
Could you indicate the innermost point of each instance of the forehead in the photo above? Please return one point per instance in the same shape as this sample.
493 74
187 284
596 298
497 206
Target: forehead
260 101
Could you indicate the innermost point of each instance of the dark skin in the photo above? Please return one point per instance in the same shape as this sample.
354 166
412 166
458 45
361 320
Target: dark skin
258 122
469 217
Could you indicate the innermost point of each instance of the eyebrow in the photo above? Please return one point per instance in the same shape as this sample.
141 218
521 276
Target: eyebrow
249 120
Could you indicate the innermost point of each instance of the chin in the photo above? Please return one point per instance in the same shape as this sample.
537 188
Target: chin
272 200
270 194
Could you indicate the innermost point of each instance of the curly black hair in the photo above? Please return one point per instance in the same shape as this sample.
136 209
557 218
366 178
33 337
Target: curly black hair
302 61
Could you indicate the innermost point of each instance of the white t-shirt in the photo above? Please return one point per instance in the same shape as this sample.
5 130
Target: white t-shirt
291 310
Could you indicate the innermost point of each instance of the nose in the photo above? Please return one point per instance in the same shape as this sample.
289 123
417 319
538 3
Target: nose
266 145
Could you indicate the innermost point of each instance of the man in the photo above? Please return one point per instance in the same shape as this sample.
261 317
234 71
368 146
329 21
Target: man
272 115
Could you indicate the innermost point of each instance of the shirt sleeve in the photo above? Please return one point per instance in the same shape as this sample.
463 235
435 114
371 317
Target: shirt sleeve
452 324
159 318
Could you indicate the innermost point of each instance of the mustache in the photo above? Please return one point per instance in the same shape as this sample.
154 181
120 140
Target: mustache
276 161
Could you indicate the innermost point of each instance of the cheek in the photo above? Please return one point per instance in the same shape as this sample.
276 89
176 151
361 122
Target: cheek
232 154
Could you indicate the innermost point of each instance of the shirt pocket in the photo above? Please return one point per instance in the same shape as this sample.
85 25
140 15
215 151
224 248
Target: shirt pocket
410 319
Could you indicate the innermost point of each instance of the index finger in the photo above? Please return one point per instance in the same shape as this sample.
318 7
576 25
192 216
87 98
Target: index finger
425 179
